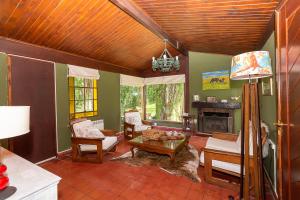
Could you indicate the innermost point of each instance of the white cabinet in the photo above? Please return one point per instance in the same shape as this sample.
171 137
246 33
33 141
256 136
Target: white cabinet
32 182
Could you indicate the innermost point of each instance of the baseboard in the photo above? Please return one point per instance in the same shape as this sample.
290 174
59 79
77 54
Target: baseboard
268 178
63 153
43 161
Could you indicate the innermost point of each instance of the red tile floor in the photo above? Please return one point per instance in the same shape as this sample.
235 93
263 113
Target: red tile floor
117 180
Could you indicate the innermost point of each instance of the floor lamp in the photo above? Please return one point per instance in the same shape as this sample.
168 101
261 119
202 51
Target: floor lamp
14 122
249 66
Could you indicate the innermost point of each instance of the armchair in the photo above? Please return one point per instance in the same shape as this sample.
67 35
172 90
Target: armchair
87 139
134 125
223 153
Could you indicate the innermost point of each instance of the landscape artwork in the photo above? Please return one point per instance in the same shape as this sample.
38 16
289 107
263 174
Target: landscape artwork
217 80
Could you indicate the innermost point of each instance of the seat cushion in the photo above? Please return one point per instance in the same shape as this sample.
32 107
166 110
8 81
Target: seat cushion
223 145
106 144
140 128
92 132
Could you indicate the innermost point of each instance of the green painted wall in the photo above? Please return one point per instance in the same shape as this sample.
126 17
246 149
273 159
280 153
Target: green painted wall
268 107
3 87
268 104
204 62
62 107
108 104
3 79
109 90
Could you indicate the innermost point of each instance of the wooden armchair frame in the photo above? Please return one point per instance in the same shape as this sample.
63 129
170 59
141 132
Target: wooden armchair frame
79 156
133 133
224 156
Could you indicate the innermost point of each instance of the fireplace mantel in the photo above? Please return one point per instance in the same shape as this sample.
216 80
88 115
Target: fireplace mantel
231 105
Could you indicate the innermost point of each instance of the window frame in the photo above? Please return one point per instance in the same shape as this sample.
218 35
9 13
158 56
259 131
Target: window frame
162 120
72 98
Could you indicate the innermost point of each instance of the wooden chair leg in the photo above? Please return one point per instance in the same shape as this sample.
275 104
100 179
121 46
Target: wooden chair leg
75 152
113 149
99 153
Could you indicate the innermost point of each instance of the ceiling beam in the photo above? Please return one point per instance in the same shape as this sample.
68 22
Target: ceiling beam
133 10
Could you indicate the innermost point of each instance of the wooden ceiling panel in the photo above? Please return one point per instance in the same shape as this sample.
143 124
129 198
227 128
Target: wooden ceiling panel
215 26
95 29
100 30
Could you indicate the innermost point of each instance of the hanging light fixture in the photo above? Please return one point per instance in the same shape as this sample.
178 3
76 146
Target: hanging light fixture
165 62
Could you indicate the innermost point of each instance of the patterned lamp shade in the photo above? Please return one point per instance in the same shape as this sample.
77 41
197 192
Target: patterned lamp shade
251 65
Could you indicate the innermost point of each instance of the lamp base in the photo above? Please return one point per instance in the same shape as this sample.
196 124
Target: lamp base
7 192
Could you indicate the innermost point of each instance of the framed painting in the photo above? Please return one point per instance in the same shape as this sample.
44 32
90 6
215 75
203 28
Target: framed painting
217 80
267 86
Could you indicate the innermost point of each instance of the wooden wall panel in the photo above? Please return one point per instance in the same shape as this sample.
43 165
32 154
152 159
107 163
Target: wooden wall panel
288 68
33 85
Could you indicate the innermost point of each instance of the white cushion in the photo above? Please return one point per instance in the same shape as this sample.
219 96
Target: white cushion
78 127
106 144
94 133
140 128
223 145
133 118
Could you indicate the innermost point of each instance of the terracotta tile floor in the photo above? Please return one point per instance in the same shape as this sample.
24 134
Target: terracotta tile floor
117 180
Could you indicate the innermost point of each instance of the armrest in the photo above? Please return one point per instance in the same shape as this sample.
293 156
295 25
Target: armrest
146 122
80 140
225 136
225 156
107 132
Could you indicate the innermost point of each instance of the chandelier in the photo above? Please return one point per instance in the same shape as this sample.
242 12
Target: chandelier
165 62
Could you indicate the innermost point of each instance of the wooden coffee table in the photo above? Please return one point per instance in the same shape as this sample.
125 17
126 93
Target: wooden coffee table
168 147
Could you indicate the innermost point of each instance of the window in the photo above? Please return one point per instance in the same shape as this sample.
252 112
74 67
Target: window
83 96
131 98
165 101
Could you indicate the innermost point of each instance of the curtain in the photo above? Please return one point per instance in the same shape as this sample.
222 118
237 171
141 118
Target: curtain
83 72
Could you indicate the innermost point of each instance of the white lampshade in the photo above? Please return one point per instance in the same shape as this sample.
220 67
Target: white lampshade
14 121
251 65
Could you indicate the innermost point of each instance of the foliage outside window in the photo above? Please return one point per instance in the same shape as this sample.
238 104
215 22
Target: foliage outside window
83 97
165 101
131 98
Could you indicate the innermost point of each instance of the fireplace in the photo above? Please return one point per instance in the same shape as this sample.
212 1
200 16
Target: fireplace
216 122
215 117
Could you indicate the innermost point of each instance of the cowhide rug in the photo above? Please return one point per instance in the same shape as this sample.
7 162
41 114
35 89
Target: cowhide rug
185 164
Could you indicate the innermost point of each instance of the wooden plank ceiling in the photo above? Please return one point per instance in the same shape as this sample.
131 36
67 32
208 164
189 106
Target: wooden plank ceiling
100 30
95 29
214 26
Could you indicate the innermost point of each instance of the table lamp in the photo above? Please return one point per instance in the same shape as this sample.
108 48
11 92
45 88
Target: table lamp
251 65
14 121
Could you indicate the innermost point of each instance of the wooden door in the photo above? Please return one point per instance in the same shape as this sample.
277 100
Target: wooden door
33 85
288 80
